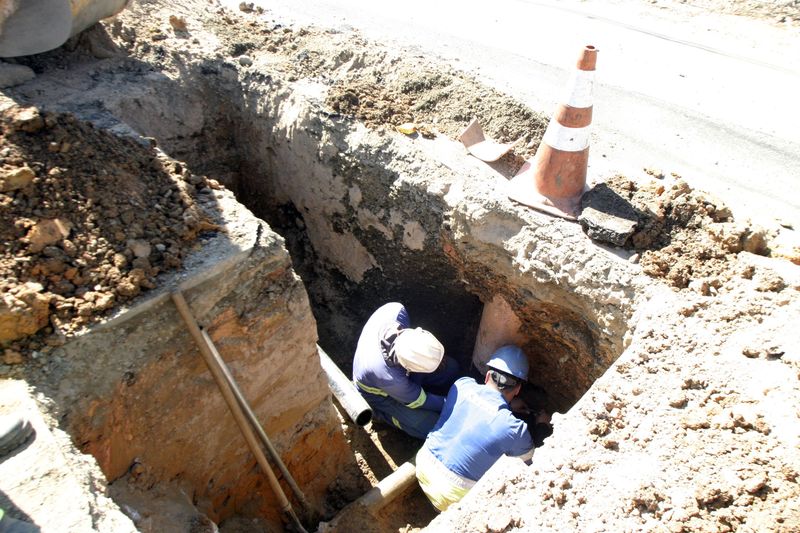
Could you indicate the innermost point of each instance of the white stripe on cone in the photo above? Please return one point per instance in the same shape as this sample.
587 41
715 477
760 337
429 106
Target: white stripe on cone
566 139
579 89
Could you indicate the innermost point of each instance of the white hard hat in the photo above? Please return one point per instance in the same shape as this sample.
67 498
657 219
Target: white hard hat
418 350
511 360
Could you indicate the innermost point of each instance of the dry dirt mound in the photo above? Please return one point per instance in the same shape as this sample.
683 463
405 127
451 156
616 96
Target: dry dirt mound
780 11
441 101
380 87
684 235
88 220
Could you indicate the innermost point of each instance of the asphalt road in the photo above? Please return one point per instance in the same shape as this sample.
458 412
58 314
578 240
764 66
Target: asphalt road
711 98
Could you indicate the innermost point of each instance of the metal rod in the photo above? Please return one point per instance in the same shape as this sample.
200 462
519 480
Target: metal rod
251 417
356 406
236 410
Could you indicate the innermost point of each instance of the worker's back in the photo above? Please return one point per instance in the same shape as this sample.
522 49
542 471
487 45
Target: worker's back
475 429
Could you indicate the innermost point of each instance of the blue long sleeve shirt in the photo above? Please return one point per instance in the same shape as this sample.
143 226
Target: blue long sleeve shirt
475 429
375 371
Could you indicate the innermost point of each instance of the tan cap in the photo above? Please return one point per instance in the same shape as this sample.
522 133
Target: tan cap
418 350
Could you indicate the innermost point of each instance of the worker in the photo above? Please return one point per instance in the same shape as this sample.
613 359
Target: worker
402 372
476 427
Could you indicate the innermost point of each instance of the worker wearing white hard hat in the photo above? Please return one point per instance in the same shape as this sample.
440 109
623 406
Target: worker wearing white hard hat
397 368
475 429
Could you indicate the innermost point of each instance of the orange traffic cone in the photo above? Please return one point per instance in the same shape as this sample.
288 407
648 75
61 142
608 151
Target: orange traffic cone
555 179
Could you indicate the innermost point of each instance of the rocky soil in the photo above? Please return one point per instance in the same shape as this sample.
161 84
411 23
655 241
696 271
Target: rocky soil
89 220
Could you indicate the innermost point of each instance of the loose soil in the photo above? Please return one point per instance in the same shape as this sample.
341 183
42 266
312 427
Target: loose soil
127 211
89 220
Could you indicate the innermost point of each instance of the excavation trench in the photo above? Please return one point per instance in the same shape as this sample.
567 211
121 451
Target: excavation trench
366 220
367 216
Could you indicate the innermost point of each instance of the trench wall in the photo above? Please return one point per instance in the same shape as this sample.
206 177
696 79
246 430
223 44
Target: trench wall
373 216
391 214
136 394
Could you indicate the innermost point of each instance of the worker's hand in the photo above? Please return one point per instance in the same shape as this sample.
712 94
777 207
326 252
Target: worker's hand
519 406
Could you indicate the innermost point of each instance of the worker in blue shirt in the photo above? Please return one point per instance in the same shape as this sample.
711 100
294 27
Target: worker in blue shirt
475 429
396 369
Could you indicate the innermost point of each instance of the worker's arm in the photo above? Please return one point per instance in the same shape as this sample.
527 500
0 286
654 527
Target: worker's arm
433 402
522 443
410 394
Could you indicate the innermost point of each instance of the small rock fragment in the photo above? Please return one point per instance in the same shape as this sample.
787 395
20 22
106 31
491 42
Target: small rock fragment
140 248
606 216
17 178
13 75
178 23
47 232
12 357
26 119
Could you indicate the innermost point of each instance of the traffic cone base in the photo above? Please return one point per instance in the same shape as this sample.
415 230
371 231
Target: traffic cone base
519 189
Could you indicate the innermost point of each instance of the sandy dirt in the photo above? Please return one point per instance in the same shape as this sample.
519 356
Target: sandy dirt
88 220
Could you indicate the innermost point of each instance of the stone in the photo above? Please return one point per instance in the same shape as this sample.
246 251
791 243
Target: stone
178 23
13 75
17 178
47 232
27 119
139 248
245 61
12 357
756 483
24 312
606 216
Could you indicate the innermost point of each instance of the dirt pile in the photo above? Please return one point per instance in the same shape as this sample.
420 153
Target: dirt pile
685 236
394 90
780 11
438 101
88 220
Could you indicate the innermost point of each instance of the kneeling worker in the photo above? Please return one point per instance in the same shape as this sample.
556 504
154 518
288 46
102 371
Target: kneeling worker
397 368
475 428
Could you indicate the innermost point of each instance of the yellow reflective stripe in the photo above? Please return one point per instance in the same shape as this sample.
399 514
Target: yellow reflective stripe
419 401
441 486
371 390
396 422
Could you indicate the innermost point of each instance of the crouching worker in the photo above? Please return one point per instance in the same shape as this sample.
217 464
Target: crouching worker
397 369
475 428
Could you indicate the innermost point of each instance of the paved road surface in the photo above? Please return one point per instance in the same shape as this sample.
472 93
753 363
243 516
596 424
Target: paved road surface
711 98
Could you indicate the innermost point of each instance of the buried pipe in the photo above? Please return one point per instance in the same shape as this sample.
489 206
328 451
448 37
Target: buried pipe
356 406
238 414
376 498
389 487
